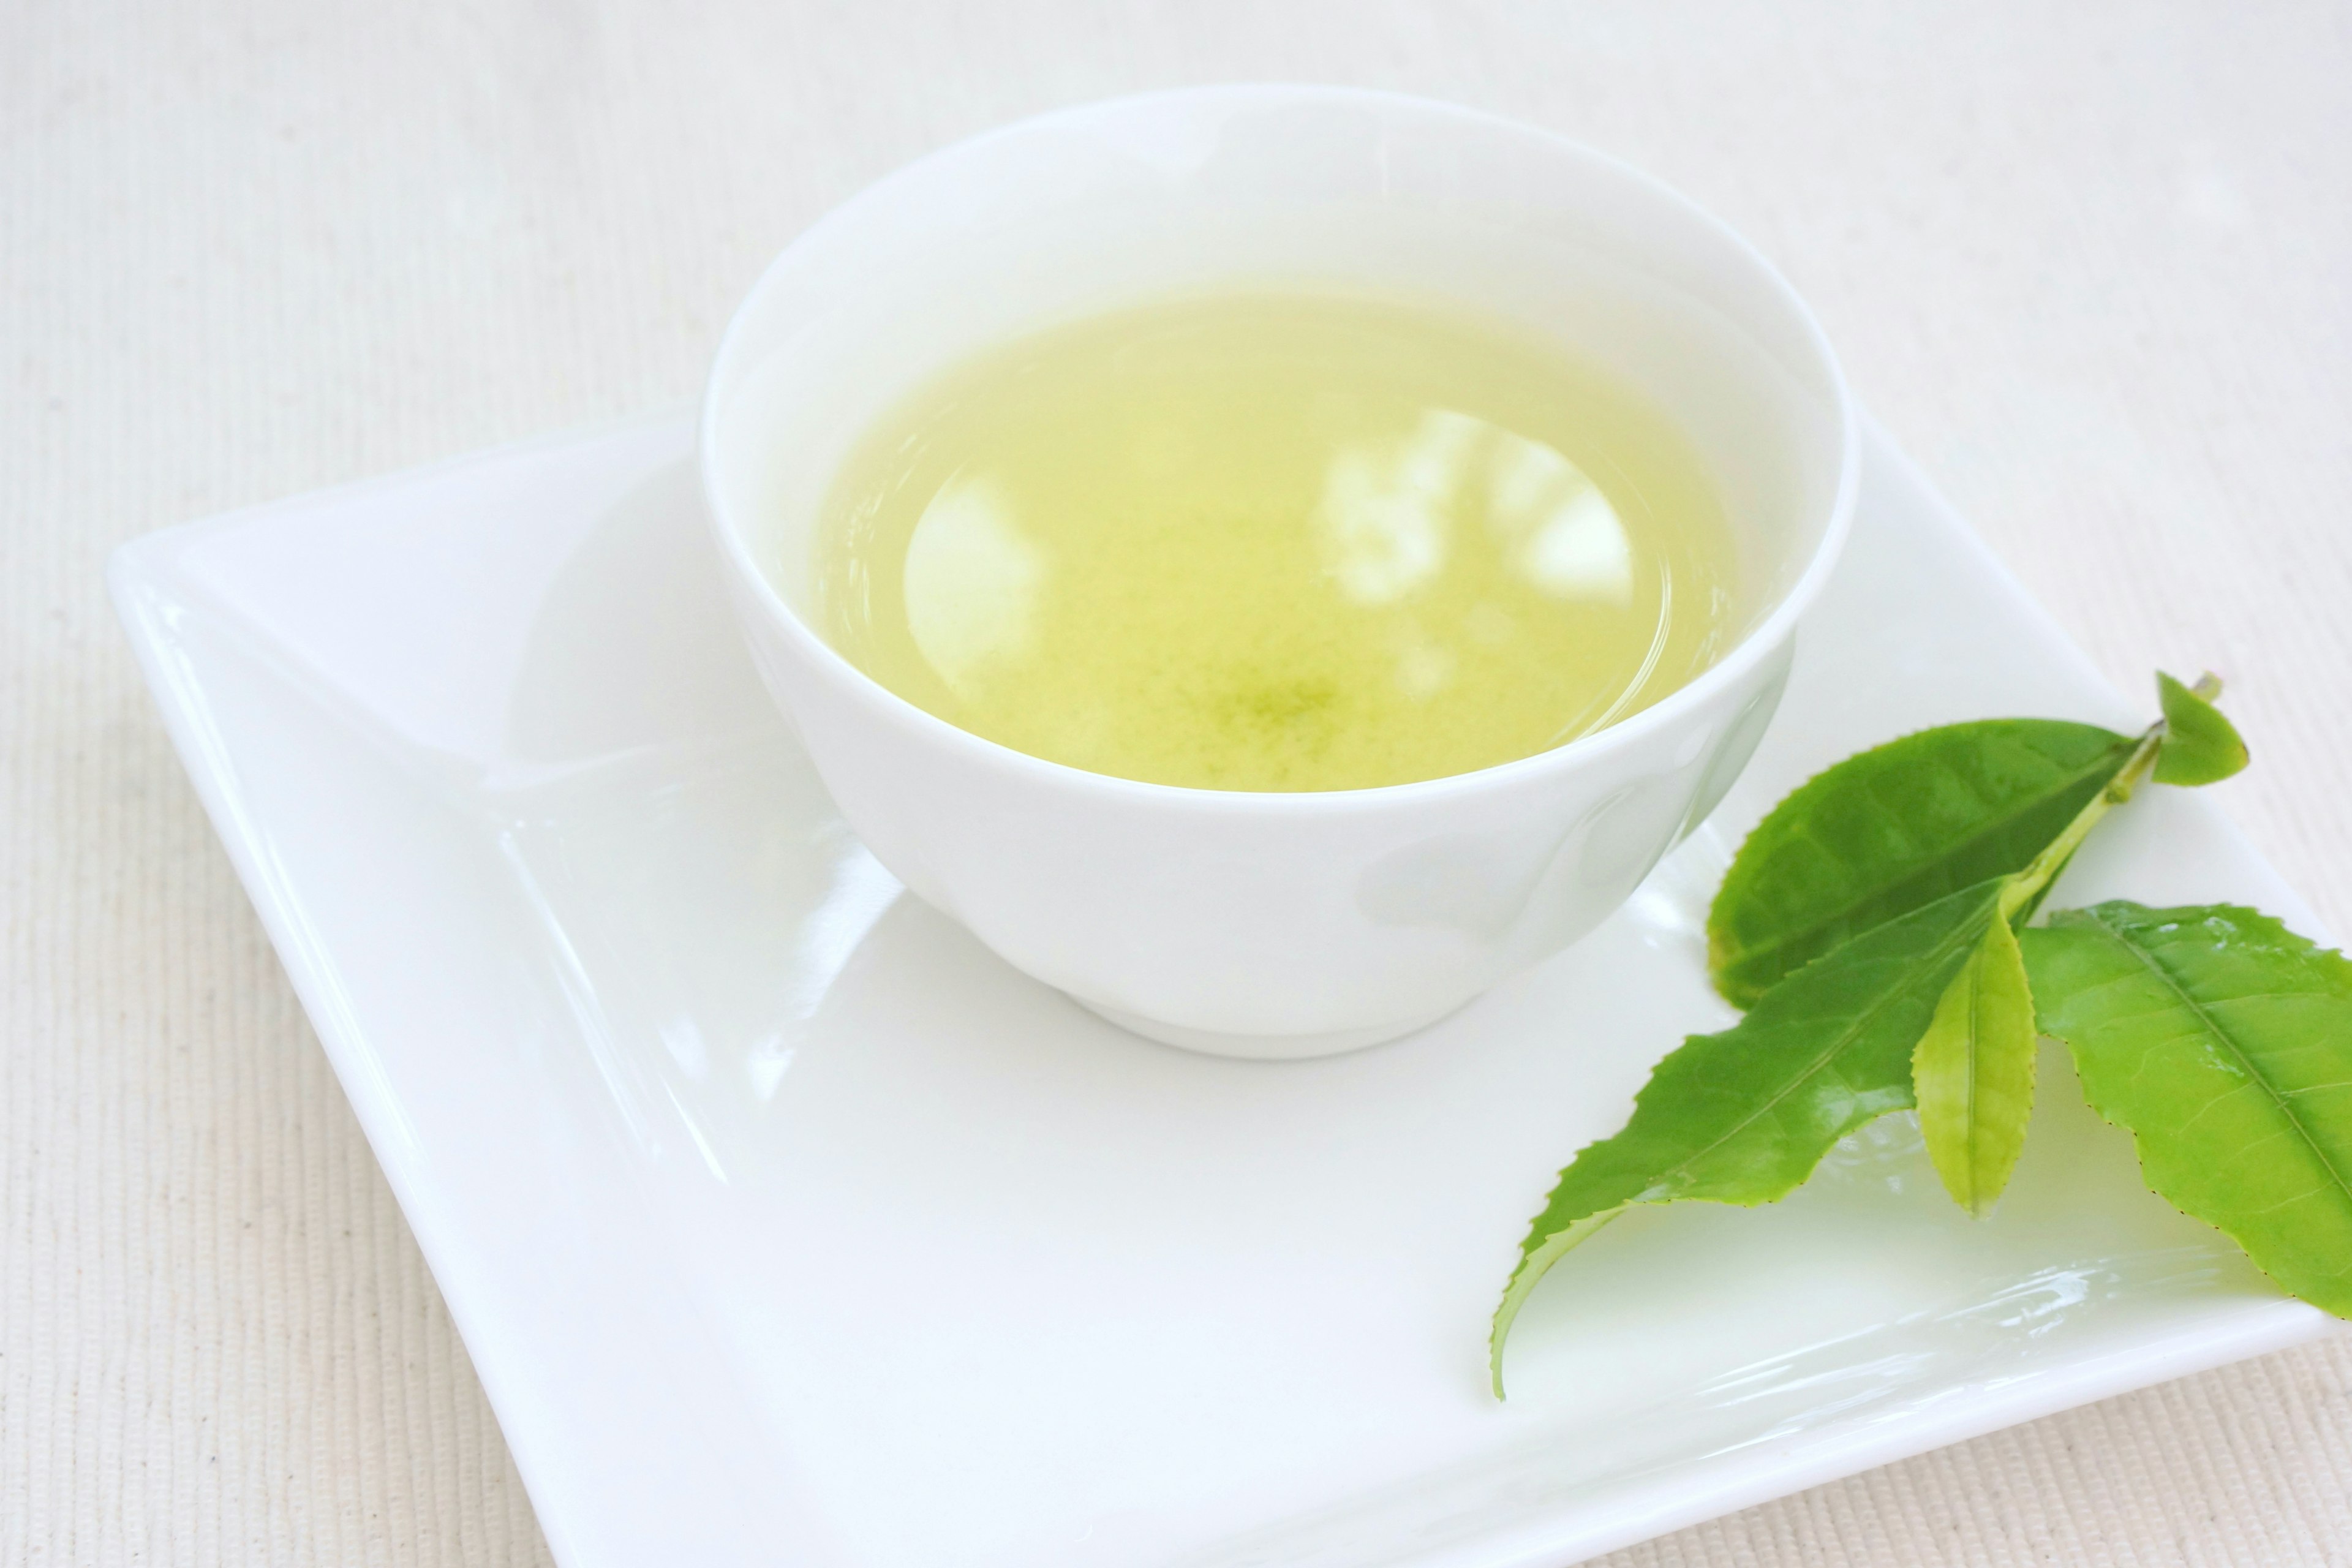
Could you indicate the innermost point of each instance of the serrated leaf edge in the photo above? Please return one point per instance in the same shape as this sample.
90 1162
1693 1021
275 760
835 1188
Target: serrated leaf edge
1958 1166
2092 917
1716 961
1536 1261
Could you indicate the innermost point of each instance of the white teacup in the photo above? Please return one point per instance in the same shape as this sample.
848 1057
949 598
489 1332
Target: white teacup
1272 924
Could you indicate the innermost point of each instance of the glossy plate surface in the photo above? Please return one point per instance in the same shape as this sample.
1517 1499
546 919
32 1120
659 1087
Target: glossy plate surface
786 1224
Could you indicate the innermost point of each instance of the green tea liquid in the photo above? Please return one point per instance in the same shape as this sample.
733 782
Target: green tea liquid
1269 541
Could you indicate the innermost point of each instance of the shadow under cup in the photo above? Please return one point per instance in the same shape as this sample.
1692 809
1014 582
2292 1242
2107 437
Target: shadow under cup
1272 925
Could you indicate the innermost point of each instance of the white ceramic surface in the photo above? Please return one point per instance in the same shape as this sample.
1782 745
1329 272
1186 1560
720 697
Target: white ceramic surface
784 1224
1255 924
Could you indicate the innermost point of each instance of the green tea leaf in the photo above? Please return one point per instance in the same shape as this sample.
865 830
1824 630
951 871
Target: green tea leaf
2201 746
1973 1072
1743 1116
2223 1042
1894 829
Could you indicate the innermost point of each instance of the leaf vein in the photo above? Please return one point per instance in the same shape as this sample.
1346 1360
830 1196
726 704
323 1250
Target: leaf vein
1916 866
1852 1030
2197 1010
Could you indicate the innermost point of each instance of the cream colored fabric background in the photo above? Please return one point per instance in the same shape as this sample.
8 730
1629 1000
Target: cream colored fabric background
2089 262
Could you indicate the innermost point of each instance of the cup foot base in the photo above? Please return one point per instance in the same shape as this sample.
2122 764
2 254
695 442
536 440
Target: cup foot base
1258 1047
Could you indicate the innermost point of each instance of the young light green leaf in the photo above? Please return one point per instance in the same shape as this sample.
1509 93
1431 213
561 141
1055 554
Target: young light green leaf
1973 1072
1743 1116
2223 1042
2201 746
1894 829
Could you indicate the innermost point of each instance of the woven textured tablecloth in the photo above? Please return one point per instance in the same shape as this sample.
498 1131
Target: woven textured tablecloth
2092 264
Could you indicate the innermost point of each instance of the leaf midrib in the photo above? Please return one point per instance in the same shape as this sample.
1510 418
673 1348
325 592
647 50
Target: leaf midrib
1973 1129
2109 760
1868 1016
2213 1027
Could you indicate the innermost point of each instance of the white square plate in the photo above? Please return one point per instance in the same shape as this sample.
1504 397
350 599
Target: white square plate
787 1225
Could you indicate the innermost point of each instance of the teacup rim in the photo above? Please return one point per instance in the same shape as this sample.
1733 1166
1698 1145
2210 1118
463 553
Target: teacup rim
1760 641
